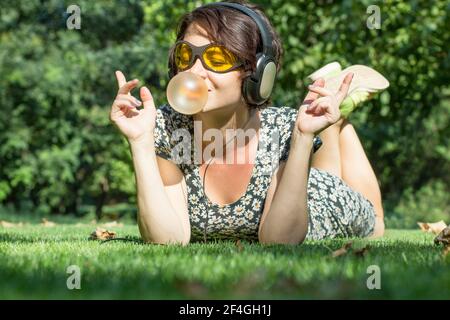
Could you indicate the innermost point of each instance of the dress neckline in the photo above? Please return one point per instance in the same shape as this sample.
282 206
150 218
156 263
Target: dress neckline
252 177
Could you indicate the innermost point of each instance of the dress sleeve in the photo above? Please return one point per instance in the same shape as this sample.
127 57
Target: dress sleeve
286 121
163 132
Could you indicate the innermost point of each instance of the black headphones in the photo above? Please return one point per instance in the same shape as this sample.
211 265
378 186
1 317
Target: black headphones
256 88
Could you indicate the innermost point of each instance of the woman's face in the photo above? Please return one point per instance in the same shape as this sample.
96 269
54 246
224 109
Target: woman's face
224 89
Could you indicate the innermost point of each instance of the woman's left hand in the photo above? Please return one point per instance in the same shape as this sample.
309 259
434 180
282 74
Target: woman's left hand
320 109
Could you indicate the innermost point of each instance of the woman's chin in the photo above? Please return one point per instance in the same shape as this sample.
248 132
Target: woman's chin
213 104
210 106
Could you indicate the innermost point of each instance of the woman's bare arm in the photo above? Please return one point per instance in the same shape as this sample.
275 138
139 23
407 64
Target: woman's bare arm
161 190
285 218
161 194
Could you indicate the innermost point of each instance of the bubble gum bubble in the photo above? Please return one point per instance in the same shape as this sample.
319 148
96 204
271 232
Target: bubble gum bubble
187 93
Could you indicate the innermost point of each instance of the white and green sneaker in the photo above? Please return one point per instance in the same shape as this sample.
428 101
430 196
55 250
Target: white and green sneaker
365 84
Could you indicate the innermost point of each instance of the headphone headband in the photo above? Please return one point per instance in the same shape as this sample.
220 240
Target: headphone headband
266 36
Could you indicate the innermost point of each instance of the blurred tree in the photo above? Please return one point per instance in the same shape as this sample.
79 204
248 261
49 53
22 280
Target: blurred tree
60 154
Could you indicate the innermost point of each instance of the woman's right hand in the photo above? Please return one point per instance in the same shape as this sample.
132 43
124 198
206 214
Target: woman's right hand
134 124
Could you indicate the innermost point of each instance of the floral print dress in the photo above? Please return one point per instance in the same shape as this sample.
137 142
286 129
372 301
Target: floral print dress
335 210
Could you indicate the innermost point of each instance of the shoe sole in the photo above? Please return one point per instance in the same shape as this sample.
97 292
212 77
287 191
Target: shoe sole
364 79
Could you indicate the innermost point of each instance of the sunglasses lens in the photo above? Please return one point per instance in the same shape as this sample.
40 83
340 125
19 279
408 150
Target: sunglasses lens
219 58
183 55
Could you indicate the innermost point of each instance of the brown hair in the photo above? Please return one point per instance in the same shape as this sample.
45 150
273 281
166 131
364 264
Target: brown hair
233 29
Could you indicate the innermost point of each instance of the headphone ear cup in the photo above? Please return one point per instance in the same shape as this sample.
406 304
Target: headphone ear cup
250 91
267 79
257 88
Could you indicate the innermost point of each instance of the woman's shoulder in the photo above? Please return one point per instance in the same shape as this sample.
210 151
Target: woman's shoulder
280 111
168 121
280 120
166 111
167 116
281 115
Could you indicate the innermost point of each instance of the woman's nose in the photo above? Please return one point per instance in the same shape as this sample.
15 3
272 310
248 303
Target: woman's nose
198 68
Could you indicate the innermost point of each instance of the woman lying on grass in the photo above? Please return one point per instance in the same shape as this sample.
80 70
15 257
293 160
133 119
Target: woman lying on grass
301 194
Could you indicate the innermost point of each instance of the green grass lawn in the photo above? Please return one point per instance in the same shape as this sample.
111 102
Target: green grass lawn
34 261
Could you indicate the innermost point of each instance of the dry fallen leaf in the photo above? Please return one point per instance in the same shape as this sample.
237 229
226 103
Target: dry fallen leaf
239 246
443 237
47 223
6 224
361 252
102 234
342 251
435 227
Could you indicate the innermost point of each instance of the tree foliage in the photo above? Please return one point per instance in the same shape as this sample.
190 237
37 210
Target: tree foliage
60 154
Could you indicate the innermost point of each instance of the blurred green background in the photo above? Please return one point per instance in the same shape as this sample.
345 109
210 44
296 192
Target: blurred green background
60 155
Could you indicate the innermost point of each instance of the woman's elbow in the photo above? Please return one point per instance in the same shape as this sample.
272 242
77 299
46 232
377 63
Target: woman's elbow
292 239
158 236
293 233
167 240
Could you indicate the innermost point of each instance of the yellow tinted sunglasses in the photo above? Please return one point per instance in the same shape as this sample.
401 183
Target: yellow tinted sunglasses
214 57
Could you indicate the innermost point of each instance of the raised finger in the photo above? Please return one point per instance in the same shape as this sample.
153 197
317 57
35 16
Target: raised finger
130 98
127 87
311 96
121 80
343 90
320 101
124 103
147 97
321 91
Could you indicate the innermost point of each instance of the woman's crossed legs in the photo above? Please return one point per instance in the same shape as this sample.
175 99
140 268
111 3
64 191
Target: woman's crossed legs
342 155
